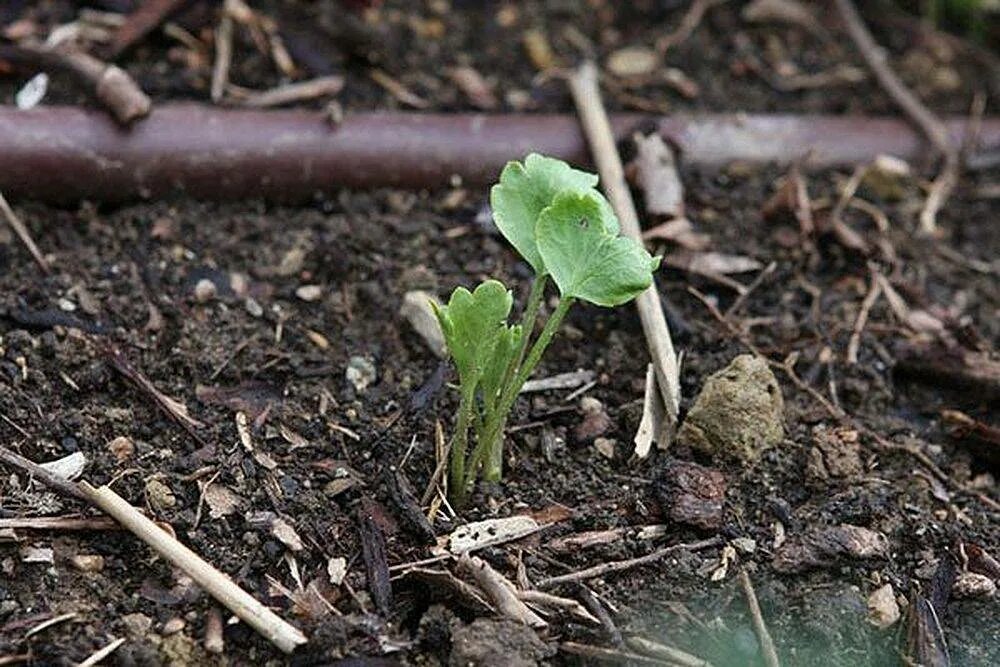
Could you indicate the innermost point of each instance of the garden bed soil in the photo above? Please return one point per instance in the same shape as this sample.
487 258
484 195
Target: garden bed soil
207 301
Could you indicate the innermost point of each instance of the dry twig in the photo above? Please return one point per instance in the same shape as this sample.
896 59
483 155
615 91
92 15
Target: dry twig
917 111
283 635
223 54
594 118
759 626
627 564
500 591
110 84
859 324
689 23
22 233
146 18
96 657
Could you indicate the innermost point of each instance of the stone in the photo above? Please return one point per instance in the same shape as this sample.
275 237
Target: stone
739 412
360 372
88 562
633 61
121 448
595 421
309 292
137 625
160 497
973 585
883 610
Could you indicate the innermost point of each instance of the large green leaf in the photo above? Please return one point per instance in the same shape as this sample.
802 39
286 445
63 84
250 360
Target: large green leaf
585 260
525 189
472 323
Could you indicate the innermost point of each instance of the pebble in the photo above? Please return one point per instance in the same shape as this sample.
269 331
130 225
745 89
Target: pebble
361 372
633 61
309 292
121 448
173 626
605 447
973 585
252 307
160 497
204 290
883 610
88 562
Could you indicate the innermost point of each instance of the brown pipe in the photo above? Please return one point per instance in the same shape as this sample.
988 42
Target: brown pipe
64 154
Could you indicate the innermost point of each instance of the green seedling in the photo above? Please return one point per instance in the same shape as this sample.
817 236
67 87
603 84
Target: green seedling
565 229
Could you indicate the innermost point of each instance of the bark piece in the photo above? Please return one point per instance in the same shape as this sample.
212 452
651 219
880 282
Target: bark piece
692 494
826 546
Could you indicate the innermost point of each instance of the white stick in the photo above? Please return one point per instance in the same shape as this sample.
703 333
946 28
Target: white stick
594 118
283 635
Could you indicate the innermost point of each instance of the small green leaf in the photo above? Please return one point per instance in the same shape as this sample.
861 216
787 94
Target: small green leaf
585 260
472 323
525 189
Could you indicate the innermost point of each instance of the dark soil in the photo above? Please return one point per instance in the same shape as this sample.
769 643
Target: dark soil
137 278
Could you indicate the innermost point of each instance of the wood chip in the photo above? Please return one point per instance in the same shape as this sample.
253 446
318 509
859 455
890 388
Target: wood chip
490 532
285 534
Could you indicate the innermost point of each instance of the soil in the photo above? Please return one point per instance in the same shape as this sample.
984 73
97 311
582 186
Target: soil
204 300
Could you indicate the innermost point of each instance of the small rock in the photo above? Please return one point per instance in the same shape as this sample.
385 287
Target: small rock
747 545
633 61
739 412
692 494
291 262
160 497
883 610
605 447
595 420
888 177
253 307
137 625
66 305
121 448
88 562
204 290
823 547
417 310
309 292
336 570
173 626
360 372
973 585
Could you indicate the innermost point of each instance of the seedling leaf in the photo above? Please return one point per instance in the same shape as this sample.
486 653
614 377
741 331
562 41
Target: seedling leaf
585 260
472 323
525 189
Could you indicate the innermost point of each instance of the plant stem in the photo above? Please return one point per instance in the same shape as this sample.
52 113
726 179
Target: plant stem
535 297
492 444
459 444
